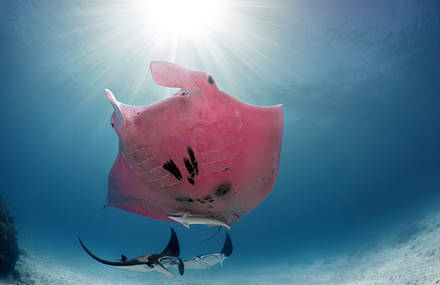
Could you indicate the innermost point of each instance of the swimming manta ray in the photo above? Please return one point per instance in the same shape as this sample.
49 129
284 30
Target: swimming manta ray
200 152
211 259
149 262
169 257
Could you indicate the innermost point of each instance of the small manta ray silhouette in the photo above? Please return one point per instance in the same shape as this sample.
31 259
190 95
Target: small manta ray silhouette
169 257
149 262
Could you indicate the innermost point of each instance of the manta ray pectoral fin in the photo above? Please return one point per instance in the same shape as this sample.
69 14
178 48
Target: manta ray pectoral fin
227 247
125 263
172 248
219 228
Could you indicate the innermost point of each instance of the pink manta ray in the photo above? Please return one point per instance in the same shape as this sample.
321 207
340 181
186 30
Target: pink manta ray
199 151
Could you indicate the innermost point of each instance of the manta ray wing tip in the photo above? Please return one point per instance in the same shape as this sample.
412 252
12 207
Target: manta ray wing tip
110 96
227 247
153 62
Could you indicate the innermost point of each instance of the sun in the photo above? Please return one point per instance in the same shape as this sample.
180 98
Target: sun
182 18
234 38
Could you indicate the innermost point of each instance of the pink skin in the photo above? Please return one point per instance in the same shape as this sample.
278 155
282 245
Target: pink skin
236 145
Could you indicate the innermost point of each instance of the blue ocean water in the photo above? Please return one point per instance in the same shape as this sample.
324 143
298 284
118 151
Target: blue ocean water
360 85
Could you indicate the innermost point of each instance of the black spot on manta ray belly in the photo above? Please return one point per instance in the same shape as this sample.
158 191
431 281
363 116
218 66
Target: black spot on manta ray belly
191 180
172 168
222 189
185 199
188 165
191 164
207 197
194 162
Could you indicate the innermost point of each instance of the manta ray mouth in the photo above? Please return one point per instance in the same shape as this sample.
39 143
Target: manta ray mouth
182 92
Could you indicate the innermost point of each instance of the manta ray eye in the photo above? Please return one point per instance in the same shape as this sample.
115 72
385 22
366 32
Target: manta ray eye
210 80
113 126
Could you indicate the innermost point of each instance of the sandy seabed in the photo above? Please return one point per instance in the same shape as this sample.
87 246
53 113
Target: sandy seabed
410 256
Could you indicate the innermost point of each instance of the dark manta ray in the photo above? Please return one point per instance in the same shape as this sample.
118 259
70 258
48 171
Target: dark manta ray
169 257
149 262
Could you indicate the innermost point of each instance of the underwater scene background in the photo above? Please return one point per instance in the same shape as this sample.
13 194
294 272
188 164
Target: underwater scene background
357 196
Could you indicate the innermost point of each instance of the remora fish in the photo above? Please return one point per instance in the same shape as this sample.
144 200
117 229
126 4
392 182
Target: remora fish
187 219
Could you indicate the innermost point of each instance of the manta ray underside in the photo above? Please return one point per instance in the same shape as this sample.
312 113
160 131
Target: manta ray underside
199 151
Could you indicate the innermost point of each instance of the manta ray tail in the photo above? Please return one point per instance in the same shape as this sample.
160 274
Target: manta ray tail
227 247
172 249
216 233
